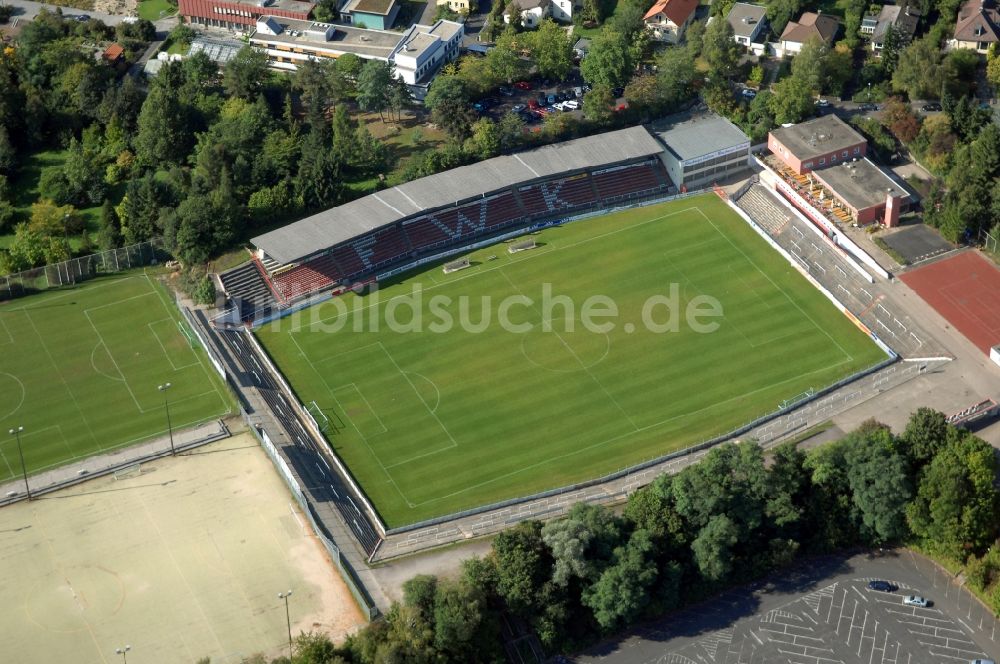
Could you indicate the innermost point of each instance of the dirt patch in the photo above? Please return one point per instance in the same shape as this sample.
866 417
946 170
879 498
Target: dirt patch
121 7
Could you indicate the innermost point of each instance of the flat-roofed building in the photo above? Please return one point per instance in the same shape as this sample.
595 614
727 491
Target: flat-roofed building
372 14
869 194
701 148
749 23
241 15
816 143
417 54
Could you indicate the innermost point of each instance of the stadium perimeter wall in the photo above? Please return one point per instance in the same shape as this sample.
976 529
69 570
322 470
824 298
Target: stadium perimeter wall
430 527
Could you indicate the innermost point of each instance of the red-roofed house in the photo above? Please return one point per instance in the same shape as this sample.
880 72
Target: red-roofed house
977 27
114 54
668 19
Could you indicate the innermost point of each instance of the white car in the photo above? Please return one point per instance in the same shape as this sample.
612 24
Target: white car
822 103
748 93
572 104
916 600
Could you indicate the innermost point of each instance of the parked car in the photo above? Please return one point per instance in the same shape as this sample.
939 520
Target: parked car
982 661
868 107
517 108
506 92
822 103
533 104
572 104
578 91
881 586
522 85
748 93
618 92
916 600
551 99
543 101
931 107
82 17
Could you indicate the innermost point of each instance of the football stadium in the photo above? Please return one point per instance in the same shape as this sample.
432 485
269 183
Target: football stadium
82 367
438 332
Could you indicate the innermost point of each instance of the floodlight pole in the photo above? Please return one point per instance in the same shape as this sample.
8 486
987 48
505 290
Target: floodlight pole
288 619
122 651
166 406
16 432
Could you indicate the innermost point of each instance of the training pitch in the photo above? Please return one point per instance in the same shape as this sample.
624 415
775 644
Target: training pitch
431 422
182 561
79 370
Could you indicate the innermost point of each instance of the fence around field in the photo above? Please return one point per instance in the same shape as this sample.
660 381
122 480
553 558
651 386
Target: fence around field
346 571
79 269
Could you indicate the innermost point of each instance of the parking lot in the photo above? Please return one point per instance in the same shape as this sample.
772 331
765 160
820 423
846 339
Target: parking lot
917 243
533 99
823 613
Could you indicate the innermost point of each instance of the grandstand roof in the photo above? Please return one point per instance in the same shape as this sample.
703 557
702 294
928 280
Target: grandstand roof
331 227
692 135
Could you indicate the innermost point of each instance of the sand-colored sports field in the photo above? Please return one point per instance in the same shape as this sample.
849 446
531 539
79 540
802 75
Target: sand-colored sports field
180 562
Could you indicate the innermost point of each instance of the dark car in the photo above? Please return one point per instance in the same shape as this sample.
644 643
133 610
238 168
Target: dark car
82 17
931 108
868 107
881 586
542 101
618 92
506 92
551 99
522 85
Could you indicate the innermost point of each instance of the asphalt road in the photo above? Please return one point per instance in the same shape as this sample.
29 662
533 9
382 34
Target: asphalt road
822 613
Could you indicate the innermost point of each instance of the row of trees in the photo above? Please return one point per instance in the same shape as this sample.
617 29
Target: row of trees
734 516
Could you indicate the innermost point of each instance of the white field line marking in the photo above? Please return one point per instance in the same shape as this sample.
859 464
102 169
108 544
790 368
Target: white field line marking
357 389
647 427
776 286
156 336
582 364
62 378
128 387
6 330
528 256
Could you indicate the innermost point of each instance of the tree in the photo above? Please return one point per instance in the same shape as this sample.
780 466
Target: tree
955 509
901 121
504 58
319 179
374 83
459 613
485 139
552 50
511 129
879 482
892 46
523 564
609 62
622 591
720 50
643 94
780 12
599 105
165 127
919 72
449 106
245 74
712 548
49 219
792 100
925 435
675 75
109 234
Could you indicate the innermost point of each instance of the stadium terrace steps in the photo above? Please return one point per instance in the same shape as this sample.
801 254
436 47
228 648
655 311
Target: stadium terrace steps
308 277
626 180
247 283
757 203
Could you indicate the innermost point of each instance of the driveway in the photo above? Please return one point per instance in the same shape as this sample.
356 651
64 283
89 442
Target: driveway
822 612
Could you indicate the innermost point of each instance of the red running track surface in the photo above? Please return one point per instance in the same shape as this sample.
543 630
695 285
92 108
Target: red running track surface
966 291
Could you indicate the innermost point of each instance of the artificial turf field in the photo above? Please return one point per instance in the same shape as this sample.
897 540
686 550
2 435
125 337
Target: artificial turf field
79 370
431 422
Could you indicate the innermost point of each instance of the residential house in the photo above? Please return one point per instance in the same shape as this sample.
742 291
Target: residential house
902 19
457 6
668 19
114 55
562 10
810 25
532 11
749 23
977 27
371 14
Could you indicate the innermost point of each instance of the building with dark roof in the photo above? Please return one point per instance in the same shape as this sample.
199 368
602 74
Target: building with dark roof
241 15
977 27
902 19
816 143
701 148
372 14
811 25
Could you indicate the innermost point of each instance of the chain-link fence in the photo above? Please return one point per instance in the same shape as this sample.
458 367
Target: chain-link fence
80 269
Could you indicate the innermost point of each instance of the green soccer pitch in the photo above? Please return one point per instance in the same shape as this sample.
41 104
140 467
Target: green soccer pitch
431 422
79 370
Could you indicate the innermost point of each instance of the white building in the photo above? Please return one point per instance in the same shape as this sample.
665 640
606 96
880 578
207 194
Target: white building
532 11
701 148
749 23
417 54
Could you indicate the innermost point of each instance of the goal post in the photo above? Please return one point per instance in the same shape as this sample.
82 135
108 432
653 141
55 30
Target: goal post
319 417
125 472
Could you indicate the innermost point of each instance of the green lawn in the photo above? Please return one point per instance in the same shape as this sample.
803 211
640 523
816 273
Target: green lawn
153 10
24 192
79 370
434 421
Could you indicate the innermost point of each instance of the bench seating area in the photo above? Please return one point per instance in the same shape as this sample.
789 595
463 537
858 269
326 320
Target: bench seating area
452 226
